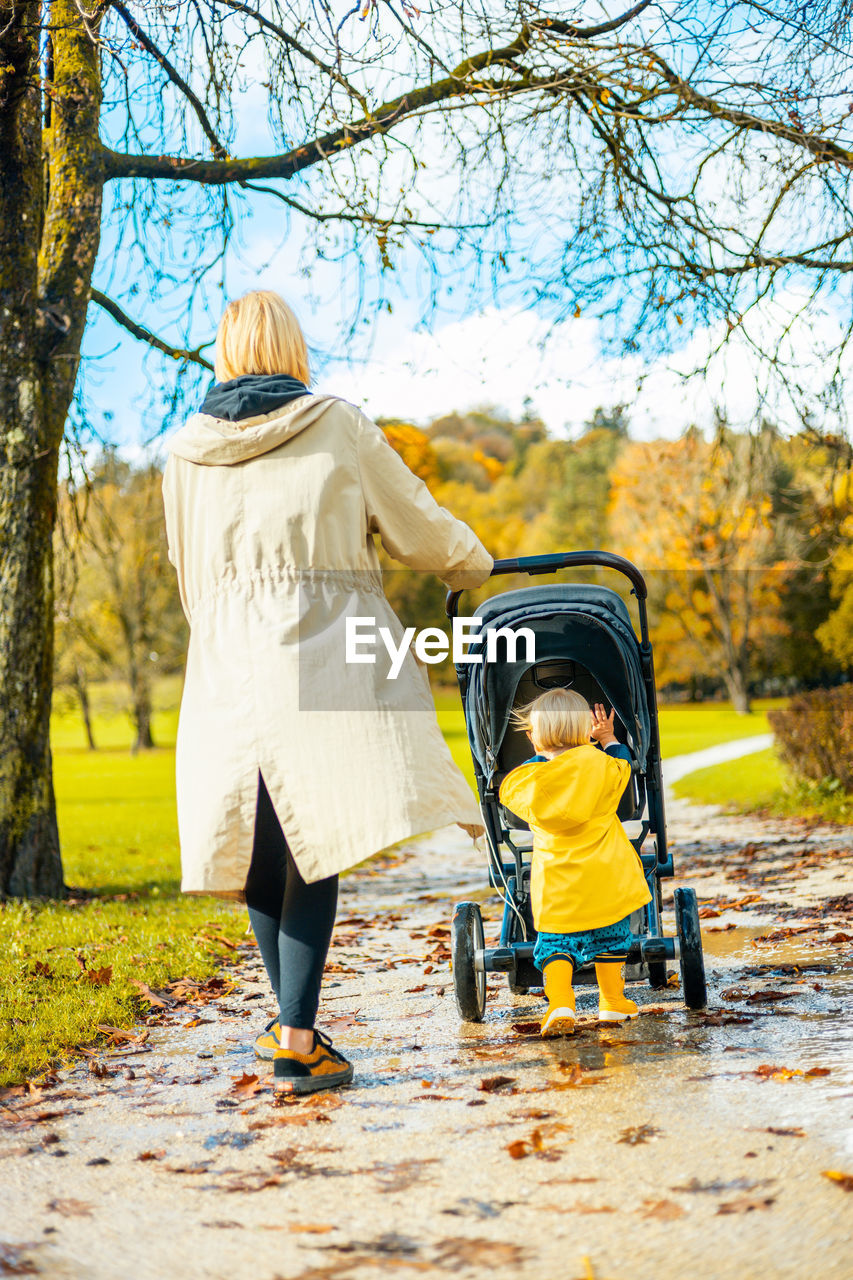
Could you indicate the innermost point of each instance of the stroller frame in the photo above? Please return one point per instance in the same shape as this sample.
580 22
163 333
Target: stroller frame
651 948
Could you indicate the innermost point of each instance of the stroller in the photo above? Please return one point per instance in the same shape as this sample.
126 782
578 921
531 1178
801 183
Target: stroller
584 640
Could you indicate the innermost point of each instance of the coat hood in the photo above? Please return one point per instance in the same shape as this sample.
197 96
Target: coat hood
565 792
213 441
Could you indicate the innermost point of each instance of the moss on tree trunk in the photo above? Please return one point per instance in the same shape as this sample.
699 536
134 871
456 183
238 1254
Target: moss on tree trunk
50 200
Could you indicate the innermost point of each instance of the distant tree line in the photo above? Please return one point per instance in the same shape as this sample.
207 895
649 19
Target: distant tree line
746 540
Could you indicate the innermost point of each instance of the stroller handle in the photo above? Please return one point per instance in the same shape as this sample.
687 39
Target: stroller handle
562 560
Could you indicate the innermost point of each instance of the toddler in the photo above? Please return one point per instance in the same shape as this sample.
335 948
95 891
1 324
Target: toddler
586 877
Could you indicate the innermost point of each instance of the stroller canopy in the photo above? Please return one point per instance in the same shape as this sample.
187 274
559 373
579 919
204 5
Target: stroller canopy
574 622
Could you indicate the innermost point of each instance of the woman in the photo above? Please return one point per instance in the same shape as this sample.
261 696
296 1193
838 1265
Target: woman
294 763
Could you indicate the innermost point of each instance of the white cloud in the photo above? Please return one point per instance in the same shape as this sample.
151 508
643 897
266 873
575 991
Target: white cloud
500 357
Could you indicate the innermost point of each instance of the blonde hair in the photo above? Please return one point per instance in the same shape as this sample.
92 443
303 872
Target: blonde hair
259 333
557 718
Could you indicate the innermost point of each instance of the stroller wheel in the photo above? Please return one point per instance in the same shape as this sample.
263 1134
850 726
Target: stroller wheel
469 983
657 974
690 944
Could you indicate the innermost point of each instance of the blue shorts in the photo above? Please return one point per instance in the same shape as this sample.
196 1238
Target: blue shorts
609 943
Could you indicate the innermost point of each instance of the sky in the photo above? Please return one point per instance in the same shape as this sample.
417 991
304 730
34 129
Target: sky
466 348
510 358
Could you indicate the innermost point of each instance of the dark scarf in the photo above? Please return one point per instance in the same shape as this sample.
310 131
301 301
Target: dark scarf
251 394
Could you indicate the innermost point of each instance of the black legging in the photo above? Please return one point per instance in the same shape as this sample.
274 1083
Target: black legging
292 920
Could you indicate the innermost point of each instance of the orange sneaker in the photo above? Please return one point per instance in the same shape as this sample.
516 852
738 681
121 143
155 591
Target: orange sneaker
268 1041
322 1068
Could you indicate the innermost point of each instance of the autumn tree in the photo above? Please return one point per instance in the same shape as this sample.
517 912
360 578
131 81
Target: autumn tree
698 152
124 619
76 666
705 520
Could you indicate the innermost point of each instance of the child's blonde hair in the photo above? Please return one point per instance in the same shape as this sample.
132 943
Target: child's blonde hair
557 718
259 333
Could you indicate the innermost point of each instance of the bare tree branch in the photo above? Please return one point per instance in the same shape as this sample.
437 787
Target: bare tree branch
174 75
145 335
215 172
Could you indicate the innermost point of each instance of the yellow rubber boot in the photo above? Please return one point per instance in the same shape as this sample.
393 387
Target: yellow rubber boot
560 1017
612 1005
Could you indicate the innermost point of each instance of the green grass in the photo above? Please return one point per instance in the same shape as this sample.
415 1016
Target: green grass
684 727
692 726
451 719
119 840
760 783
120 843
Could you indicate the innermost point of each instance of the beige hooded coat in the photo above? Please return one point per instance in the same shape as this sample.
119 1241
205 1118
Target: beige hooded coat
270 523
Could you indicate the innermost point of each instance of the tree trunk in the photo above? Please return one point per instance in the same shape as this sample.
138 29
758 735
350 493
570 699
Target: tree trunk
82 690
142 712
738 691
29 840
49 230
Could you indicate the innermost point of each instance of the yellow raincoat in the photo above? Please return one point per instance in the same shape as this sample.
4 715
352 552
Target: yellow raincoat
585 873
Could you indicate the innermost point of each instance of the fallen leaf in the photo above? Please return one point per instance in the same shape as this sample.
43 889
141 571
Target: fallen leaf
637 1134
199 1022
70 1208
786 1133
576 1076
120 1036
311 1228
768 1071
253 1182
844 1180
745 1204
519 1149
147 994
661 1210
492 1083
343 1021
99 977
527 1028
42 969
721 1018
400 1175
151 1155
246 1085
717 1186
469 1251
14 1263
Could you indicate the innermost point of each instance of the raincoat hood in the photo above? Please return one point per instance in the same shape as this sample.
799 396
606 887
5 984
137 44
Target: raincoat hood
567 791
214 441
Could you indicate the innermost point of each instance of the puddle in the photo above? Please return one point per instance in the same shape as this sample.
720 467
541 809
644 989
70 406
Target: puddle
725 944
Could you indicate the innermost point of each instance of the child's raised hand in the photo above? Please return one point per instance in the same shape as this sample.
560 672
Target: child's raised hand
602 725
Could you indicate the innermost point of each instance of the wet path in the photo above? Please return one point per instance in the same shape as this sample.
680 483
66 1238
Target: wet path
681 1144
